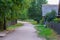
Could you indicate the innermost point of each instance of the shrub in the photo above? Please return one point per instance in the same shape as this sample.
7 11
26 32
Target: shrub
57 20
38 27
50 16
48 33
42 21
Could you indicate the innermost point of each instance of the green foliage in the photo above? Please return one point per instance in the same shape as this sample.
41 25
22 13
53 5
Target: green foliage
11 9
57 20
23 15
12 27
42 21
24 10
48 33
35 11
50 16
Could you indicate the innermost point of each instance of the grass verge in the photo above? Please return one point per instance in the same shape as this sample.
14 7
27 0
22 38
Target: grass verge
48 33
12 27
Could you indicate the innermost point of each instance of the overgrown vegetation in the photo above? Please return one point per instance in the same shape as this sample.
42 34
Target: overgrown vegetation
42 21
43 29
57 20
12 27
35 11
48 33
50 16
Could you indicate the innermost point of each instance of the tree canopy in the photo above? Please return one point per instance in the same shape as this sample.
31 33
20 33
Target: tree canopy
35 11
13 9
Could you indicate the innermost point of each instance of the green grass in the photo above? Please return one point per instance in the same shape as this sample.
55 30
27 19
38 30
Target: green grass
48 33
31 21
14 26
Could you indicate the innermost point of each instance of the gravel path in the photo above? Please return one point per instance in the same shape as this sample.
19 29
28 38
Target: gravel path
26 32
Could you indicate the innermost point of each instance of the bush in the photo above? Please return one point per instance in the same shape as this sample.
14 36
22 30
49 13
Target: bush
48 33
50 16
38 27
57 20
42 21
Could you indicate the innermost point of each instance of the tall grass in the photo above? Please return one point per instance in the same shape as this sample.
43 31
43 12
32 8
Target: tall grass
48 33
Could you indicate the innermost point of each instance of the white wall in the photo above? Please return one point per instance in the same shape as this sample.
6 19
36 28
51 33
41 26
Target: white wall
48 8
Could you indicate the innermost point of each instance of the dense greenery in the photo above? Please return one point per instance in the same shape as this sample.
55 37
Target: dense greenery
24 10
12 9
50 16
35 11
57 20
48 33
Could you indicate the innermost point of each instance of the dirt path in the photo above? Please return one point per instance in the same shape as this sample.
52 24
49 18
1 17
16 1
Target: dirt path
26 32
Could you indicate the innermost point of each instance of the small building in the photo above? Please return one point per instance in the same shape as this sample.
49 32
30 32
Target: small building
48 8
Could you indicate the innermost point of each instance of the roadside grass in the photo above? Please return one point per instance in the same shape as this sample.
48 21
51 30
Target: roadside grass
47 33
12 27
31 21
43 31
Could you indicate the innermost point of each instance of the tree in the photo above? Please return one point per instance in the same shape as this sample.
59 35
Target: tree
10 10
24 9
35 11
50 16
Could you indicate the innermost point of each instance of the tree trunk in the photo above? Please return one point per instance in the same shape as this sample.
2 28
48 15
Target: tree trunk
4 23
1 25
